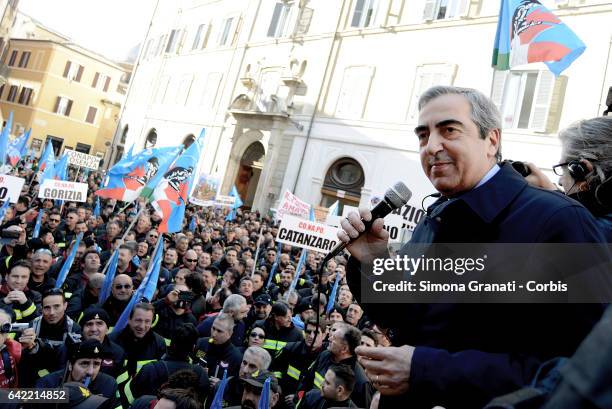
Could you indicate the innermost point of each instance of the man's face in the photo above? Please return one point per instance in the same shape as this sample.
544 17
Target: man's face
221 331
180 277
262 311
285 279
329 387
204 260
41 262
141 322
336 341
81 213
345 298
143 224
283 321
18 278
190 260
250 363
85 367
367 341
246 288
125 256
92 262
95 329
210 278
453 155
142 249
170 257
182 244
217 254
54 221
243 310
122 288
353 314
257 282
311 332
152 237
231 257
53 309
80 251
71 220
112 229
271 256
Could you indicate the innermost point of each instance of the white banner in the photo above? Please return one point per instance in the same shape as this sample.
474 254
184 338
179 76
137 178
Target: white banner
227 201
293 205
83 160
62 190
10 186
306 234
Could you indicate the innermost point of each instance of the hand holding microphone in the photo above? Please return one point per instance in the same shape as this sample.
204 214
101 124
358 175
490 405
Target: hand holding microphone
363 234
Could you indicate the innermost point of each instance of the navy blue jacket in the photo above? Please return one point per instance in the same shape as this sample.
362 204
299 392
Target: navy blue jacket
468 353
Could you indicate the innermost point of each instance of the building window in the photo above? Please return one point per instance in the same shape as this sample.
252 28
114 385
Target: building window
280 18
443 9
364 13
183 90
225 31
83 148
354 92
529 99
63 106
151 139
91 115
101 82
25 58
1 90
25 96
12 93
211 90
343 182
174 41
13 58
160 44
201 38
124 134
427 76
73 71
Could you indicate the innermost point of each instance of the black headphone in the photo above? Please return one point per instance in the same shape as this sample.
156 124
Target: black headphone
578 170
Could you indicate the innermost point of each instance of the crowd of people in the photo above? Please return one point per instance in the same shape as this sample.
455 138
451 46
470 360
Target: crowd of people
225 324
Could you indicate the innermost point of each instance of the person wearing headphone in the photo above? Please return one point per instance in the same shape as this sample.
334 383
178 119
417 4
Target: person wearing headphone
585 168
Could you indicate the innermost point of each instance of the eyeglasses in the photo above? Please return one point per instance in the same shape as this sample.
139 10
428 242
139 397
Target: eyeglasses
191 260
153 236
558 169
257 335
121 286
54 220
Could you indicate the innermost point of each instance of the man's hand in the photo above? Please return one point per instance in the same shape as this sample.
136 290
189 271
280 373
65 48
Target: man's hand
173 296
213 381
289 400
28 338
372 244
387 367
16 296
537 178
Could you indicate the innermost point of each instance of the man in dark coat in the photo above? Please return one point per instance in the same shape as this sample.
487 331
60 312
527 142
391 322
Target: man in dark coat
462 355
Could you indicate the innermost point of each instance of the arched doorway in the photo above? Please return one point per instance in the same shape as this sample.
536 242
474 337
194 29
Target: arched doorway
343 182
151 138
249 171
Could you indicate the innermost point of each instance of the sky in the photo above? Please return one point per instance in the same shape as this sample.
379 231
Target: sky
109 27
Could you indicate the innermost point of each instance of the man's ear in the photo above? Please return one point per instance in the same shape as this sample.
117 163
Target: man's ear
273 399
583 185
494 137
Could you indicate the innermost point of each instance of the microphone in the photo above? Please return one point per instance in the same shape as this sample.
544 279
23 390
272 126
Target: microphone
395 197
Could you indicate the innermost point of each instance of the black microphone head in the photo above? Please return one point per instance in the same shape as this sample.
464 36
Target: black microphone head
398 195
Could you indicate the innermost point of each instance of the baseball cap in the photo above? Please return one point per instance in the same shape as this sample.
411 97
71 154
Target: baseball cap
90 348
263 299
258 378
79 397
96 313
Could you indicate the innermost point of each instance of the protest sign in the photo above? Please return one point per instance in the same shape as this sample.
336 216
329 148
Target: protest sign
205 190
62 190
82 159
227 201
306 234
10 186
293 205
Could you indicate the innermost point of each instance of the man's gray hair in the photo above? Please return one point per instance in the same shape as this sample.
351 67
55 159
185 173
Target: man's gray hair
233 303
485 114
590 139
227 319
263 355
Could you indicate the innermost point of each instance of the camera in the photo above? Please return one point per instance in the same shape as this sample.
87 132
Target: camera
7 327
521 168
9 234
184 299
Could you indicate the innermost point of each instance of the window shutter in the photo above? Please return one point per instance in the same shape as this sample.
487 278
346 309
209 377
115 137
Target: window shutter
556 104
304 22
206 36
541 103
497 89
66 69
106 84
357 13
57 102
429 11
278 8
394 13
79 73
68 107
464 8
95 80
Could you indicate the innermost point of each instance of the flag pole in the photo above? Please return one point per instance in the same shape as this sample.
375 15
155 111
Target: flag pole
76 177
257 251
132 223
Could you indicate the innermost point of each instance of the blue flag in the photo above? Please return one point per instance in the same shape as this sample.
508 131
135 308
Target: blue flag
4 139
264 399
275 265
217 402
61 277
61 168
170 195
36 231
109 277
146 288
47 163
332 296
193 224
24 143
96 211
528 32
17 148
5 206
